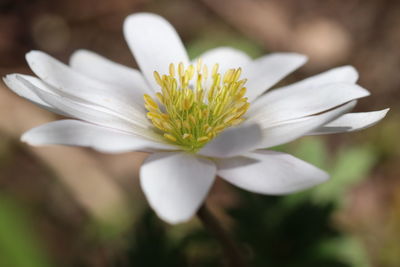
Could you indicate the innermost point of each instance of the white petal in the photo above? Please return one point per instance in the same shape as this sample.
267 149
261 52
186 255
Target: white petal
266 71
22 90
78 133
352 122
176 184
154 43
68 81
291 103
285 132
226 57
233 141
84 111
269 172
129 80
343 74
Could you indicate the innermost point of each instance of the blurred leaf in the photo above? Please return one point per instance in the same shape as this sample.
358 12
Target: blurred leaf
152 244
346 168
313 150
112 225
278 235
209 41
19 246
347 248
149 245
352 164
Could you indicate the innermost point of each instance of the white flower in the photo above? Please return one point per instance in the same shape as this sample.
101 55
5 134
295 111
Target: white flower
193 125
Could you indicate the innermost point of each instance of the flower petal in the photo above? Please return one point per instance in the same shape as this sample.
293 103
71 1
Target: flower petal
270 172
343 74
22 90
129 80
266 71
226 57
291 103
68 81
78 133
84 111
288 131
154 43
352 122
176 184
233 141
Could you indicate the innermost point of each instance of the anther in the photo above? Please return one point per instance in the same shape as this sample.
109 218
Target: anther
157 78
191 117
170 137
172 70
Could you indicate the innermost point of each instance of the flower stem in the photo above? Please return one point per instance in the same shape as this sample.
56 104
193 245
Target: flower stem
231 250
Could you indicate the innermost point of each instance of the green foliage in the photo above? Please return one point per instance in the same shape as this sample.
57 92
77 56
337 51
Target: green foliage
347 167
312 150
348 249
351 166
209 41
282 235
273 233
19 246
149 245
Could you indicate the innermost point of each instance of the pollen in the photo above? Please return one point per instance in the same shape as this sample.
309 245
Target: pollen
196 104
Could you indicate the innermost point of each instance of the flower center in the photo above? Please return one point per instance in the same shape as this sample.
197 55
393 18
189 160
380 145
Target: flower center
195 104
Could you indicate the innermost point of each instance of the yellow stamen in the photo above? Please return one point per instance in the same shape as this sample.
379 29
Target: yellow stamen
189 111
170 137
186 136
202 139
158 78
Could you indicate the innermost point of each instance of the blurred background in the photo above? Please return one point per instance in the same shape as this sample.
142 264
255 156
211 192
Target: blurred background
62 206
